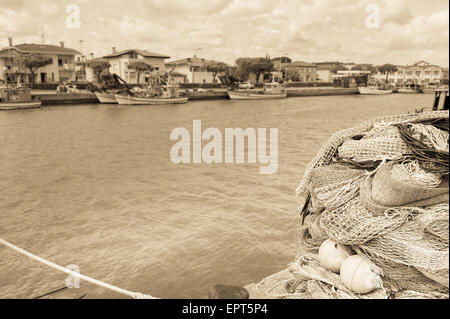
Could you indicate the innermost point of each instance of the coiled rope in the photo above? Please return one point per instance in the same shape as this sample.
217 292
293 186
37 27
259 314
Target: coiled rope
135 295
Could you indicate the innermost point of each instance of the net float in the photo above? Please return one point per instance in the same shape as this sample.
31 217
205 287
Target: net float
332 255
360 275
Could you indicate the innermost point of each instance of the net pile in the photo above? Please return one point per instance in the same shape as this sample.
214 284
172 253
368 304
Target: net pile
368 189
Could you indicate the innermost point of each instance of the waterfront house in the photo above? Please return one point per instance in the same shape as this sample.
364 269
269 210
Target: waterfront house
194 70
422 73
120 60
62 68
298 71
307 72
280 64
324 74
351 78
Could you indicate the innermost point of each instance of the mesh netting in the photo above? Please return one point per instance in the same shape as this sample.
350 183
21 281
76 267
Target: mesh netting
311 280
328 150
334 185
408 245
397 277
396 216
431 136
382 142
353 224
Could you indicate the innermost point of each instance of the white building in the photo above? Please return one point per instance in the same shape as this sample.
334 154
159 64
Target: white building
62 67
419 73
194 69
120 60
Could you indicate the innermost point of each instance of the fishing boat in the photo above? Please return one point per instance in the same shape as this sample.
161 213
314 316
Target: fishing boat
134 100
409 89
152 95
371 90
17 98
105 97
271 90
430 88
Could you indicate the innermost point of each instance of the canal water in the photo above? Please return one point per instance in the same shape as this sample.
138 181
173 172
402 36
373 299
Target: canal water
94 186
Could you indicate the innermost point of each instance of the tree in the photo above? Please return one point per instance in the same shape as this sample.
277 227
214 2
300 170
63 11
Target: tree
98 66
215 68
32 62
387 68
364 67
335 68
258 66
292 75
159 78
139 67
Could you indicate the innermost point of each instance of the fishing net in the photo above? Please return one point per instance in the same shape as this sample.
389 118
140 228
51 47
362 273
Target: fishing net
382 142
381 188
408 245
353 224
328 150
398 277
334 185
311 280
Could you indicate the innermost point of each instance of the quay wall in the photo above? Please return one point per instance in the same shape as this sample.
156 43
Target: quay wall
320 91
51 98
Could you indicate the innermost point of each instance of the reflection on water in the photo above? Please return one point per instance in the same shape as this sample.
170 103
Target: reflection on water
93 185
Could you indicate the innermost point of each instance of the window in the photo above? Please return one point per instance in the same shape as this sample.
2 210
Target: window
60 63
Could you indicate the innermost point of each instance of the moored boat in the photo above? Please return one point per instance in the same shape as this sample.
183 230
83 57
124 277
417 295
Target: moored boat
19 105
153 95
431 88
409 91
428 90
105 97
373 91
236 95
270 91
17 98
134 100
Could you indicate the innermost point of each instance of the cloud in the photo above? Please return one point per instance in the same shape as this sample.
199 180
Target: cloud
310 30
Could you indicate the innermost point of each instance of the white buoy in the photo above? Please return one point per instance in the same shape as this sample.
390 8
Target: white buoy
360 275
332 255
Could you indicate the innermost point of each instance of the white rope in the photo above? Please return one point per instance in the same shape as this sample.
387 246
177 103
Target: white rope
135 295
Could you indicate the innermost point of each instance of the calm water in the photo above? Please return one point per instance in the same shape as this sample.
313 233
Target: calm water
93 185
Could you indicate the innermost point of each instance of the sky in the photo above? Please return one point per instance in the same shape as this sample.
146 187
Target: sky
374 31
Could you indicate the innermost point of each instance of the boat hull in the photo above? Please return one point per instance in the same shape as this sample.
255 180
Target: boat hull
253 96
107 98
132 100
428 91
373 91
20 105
409 91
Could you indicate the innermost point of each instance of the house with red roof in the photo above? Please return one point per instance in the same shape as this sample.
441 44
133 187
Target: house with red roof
62 68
